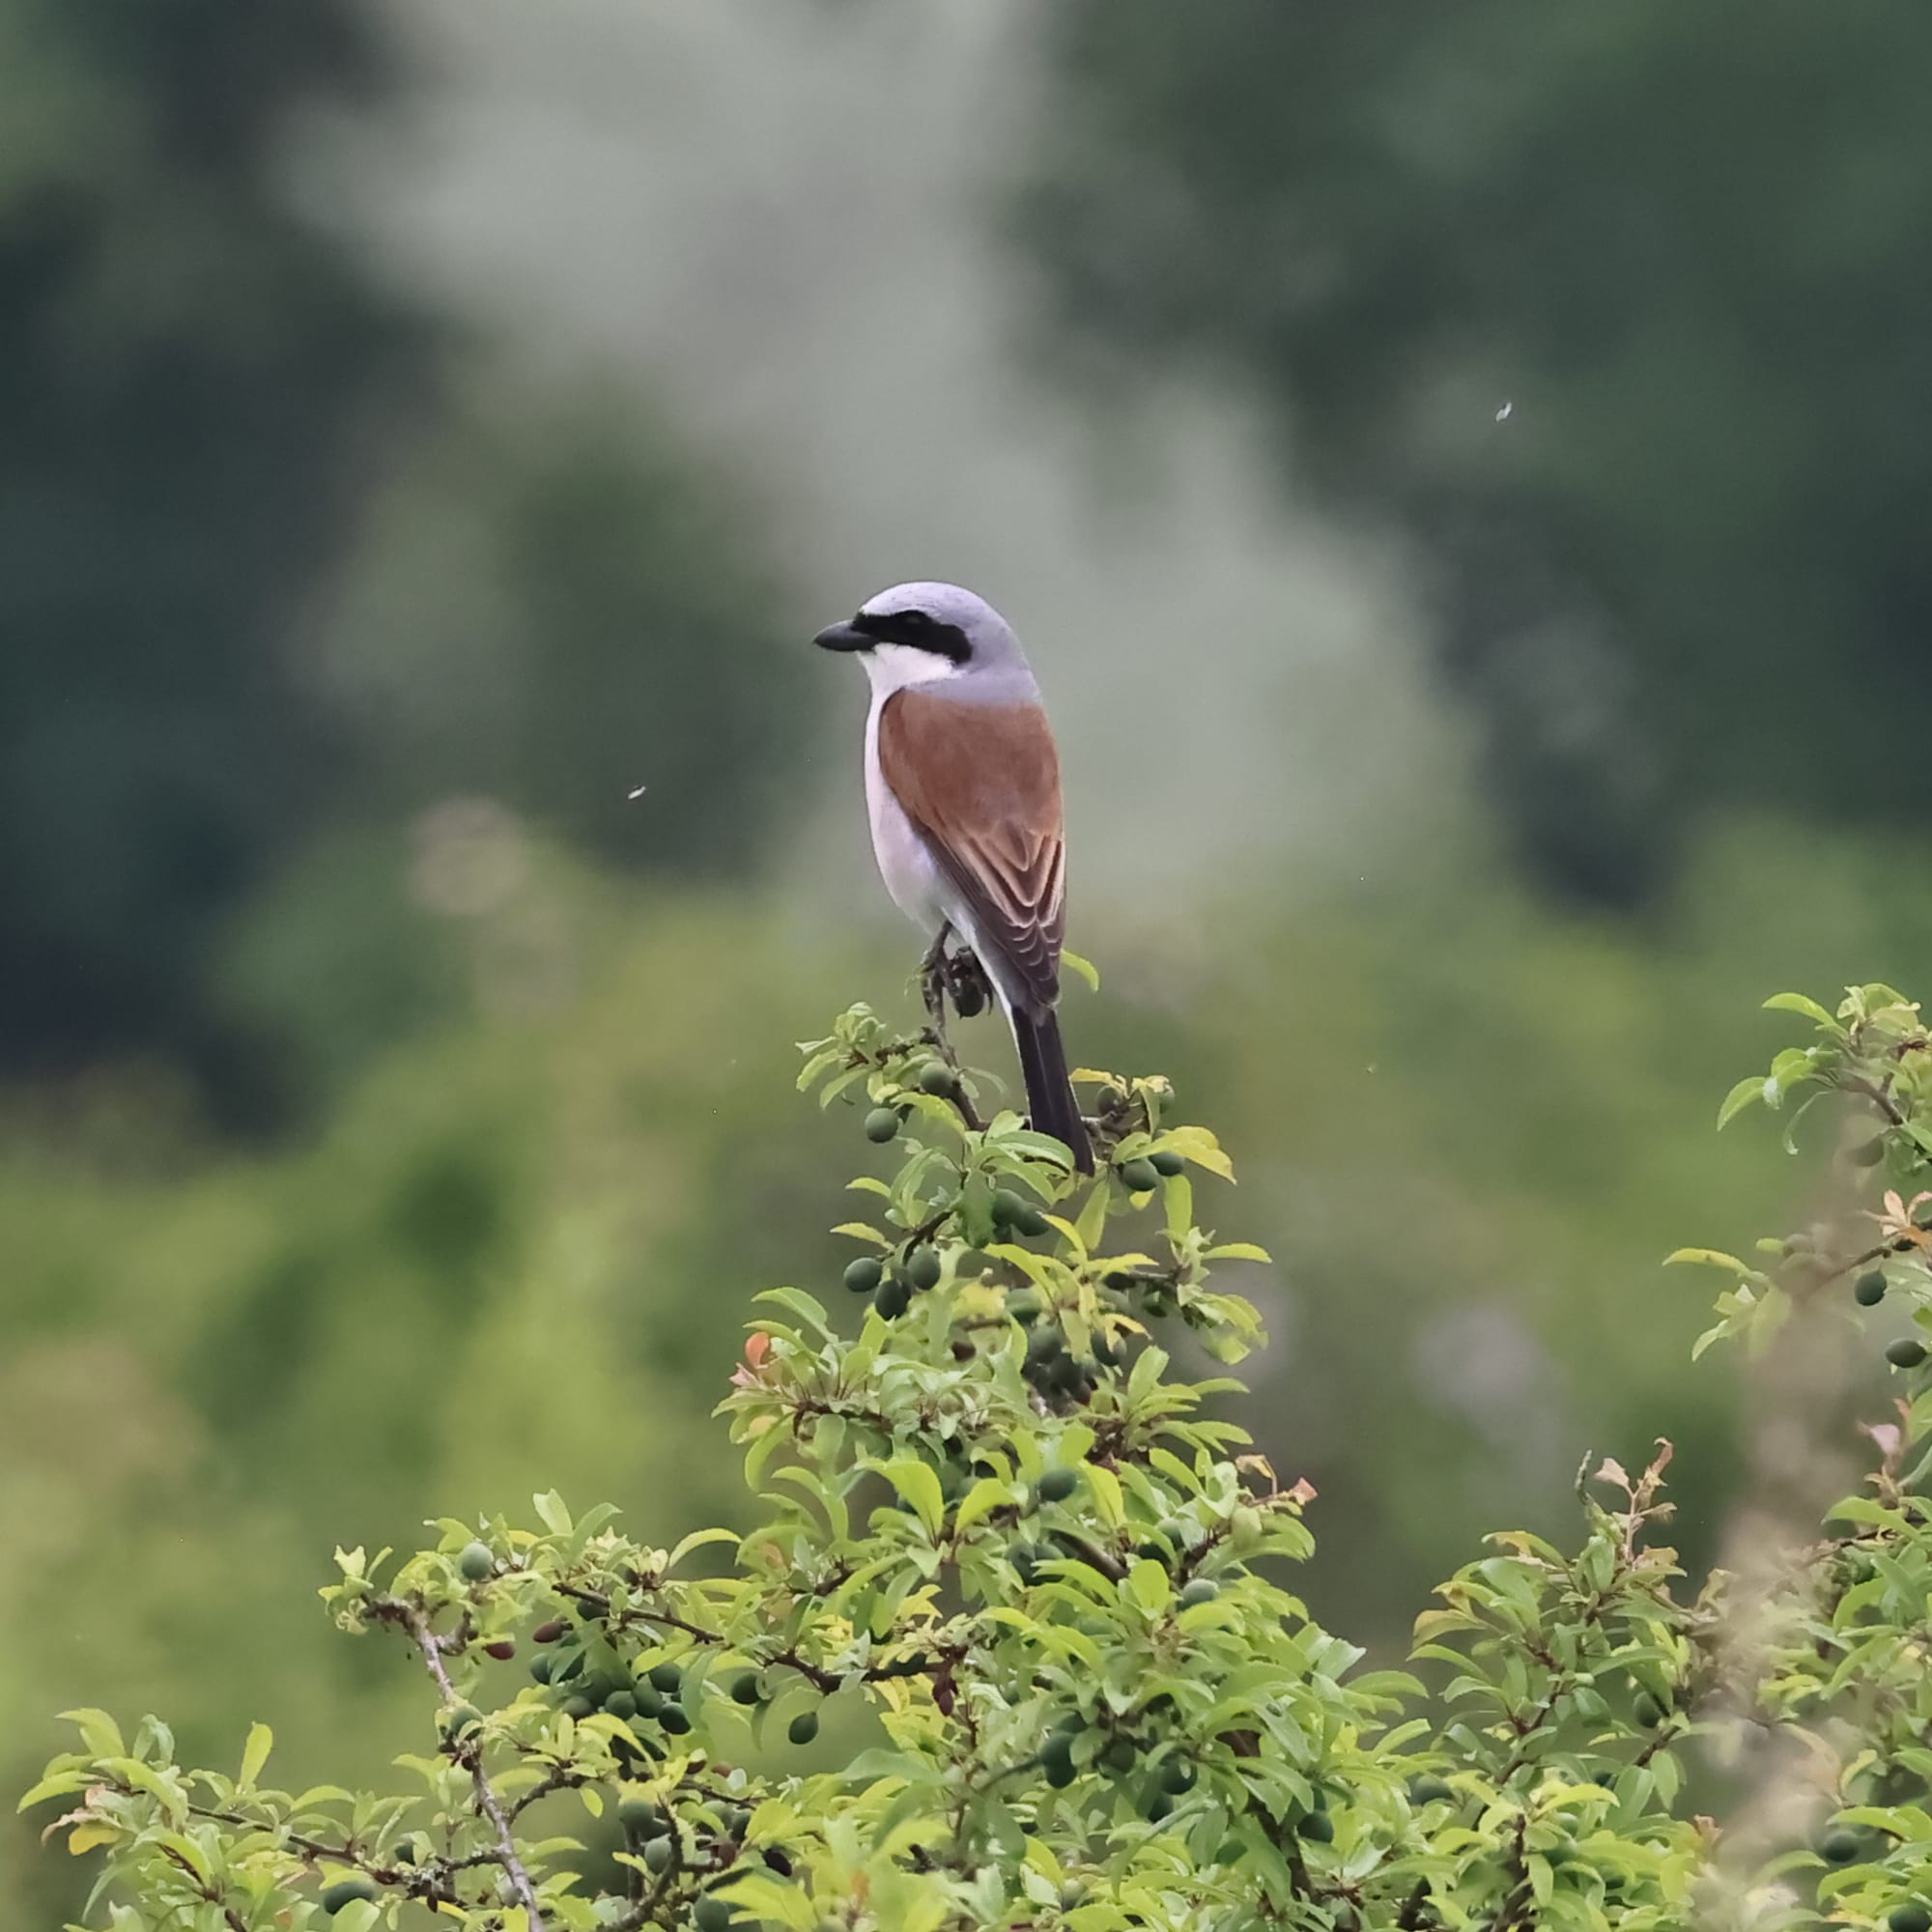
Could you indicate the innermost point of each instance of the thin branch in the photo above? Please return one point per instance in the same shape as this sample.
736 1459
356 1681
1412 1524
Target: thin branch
508 1857
1878 1098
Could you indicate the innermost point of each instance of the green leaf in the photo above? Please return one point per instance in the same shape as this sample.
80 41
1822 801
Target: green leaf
1810 1009
1237 1251
985 1496
807 1307
551 1512
1741 1097
1178 1204
255 1754
1106 1489
920 1488
697 1540
1706 1258
98 1732
56 1785
1150 1585
1083 969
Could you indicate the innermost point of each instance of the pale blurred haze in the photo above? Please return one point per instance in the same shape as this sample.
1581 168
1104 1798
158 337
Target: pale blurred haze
785 223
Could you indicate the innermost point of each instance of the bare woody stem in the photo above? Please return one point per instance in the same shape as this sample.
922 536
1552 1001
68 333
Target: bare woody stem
487 1802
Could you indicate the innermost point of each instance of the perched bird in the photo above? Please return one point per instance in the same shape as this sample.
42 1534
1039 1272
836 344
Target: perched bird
962 783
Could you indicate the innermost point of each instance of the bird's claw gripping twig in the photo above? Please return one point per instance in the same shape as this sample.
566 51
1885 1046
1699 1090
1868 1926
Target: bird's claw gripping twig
956 976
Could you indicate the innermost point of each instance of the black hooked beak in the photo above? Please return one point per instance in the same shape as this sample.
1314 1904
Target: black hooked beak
844 637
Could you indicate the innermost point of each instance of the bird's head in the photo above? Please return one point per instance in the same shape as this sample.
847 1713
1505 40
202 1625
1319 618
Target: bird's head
919 633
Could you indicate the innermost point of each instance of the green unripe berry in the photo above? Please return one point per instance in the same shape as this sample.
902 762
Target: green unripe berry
1072 1895
577 1707
346 1892
1177 1777
882 1125
1057 1484
659 1853
1202 1590
1110 1097
461 1718
1069 1724
649 1703
939 1080
476 1562
711 1914
621 1704
893 1298
1869 1289
1059 1768
676 1720
1017 1215
1156 1805
1119 1755
1319 1827
1647 1711
1045 1342
745 1687
540 1668
1429 1790
803 1729
1140 1175
923 1269
863 1275
1906 1352
666 1677
1167 1162
1066 1374
1911 1916
1244 1528
637 1815
1840 1847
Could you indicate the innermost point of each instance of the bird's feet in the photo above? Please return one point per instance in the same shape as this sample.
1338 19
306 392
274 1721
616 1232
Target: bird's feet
958 976
966 981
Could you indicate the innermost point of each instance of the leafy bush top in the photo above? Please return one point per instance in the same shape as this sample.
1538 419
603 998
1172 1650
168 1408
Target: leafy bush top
1036 1591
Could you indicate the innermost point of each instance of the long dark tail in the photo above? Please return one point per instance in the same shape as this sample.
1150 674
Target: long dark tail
1050 1097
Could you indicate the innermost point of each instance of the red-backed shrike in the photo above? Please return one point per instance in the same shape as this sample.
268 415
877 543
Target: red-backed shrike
963 787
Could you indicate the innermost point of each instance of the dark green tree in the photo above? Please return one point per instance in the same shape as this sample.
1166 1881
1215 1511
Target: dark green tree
190 377
283 565
1682 250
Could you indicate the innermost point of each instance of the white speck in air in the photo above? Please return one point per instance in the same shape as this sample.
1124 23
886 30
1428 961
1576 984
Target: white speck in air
639 793
1503 413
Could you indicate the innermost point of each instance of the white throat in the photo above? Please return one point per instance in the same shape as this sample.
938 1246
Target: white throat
893 666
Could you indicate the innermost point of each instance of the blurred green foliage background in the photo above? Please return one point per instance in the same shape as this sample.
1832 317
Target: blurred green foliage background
1456 471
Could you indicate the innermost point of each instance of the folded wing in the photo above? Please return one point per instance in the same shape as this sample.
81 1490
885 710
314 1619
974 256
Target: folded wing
982 783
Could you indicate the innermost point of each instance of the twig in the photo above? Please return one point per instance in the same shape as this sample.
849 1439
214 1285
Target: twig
1879 1099
431 1645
